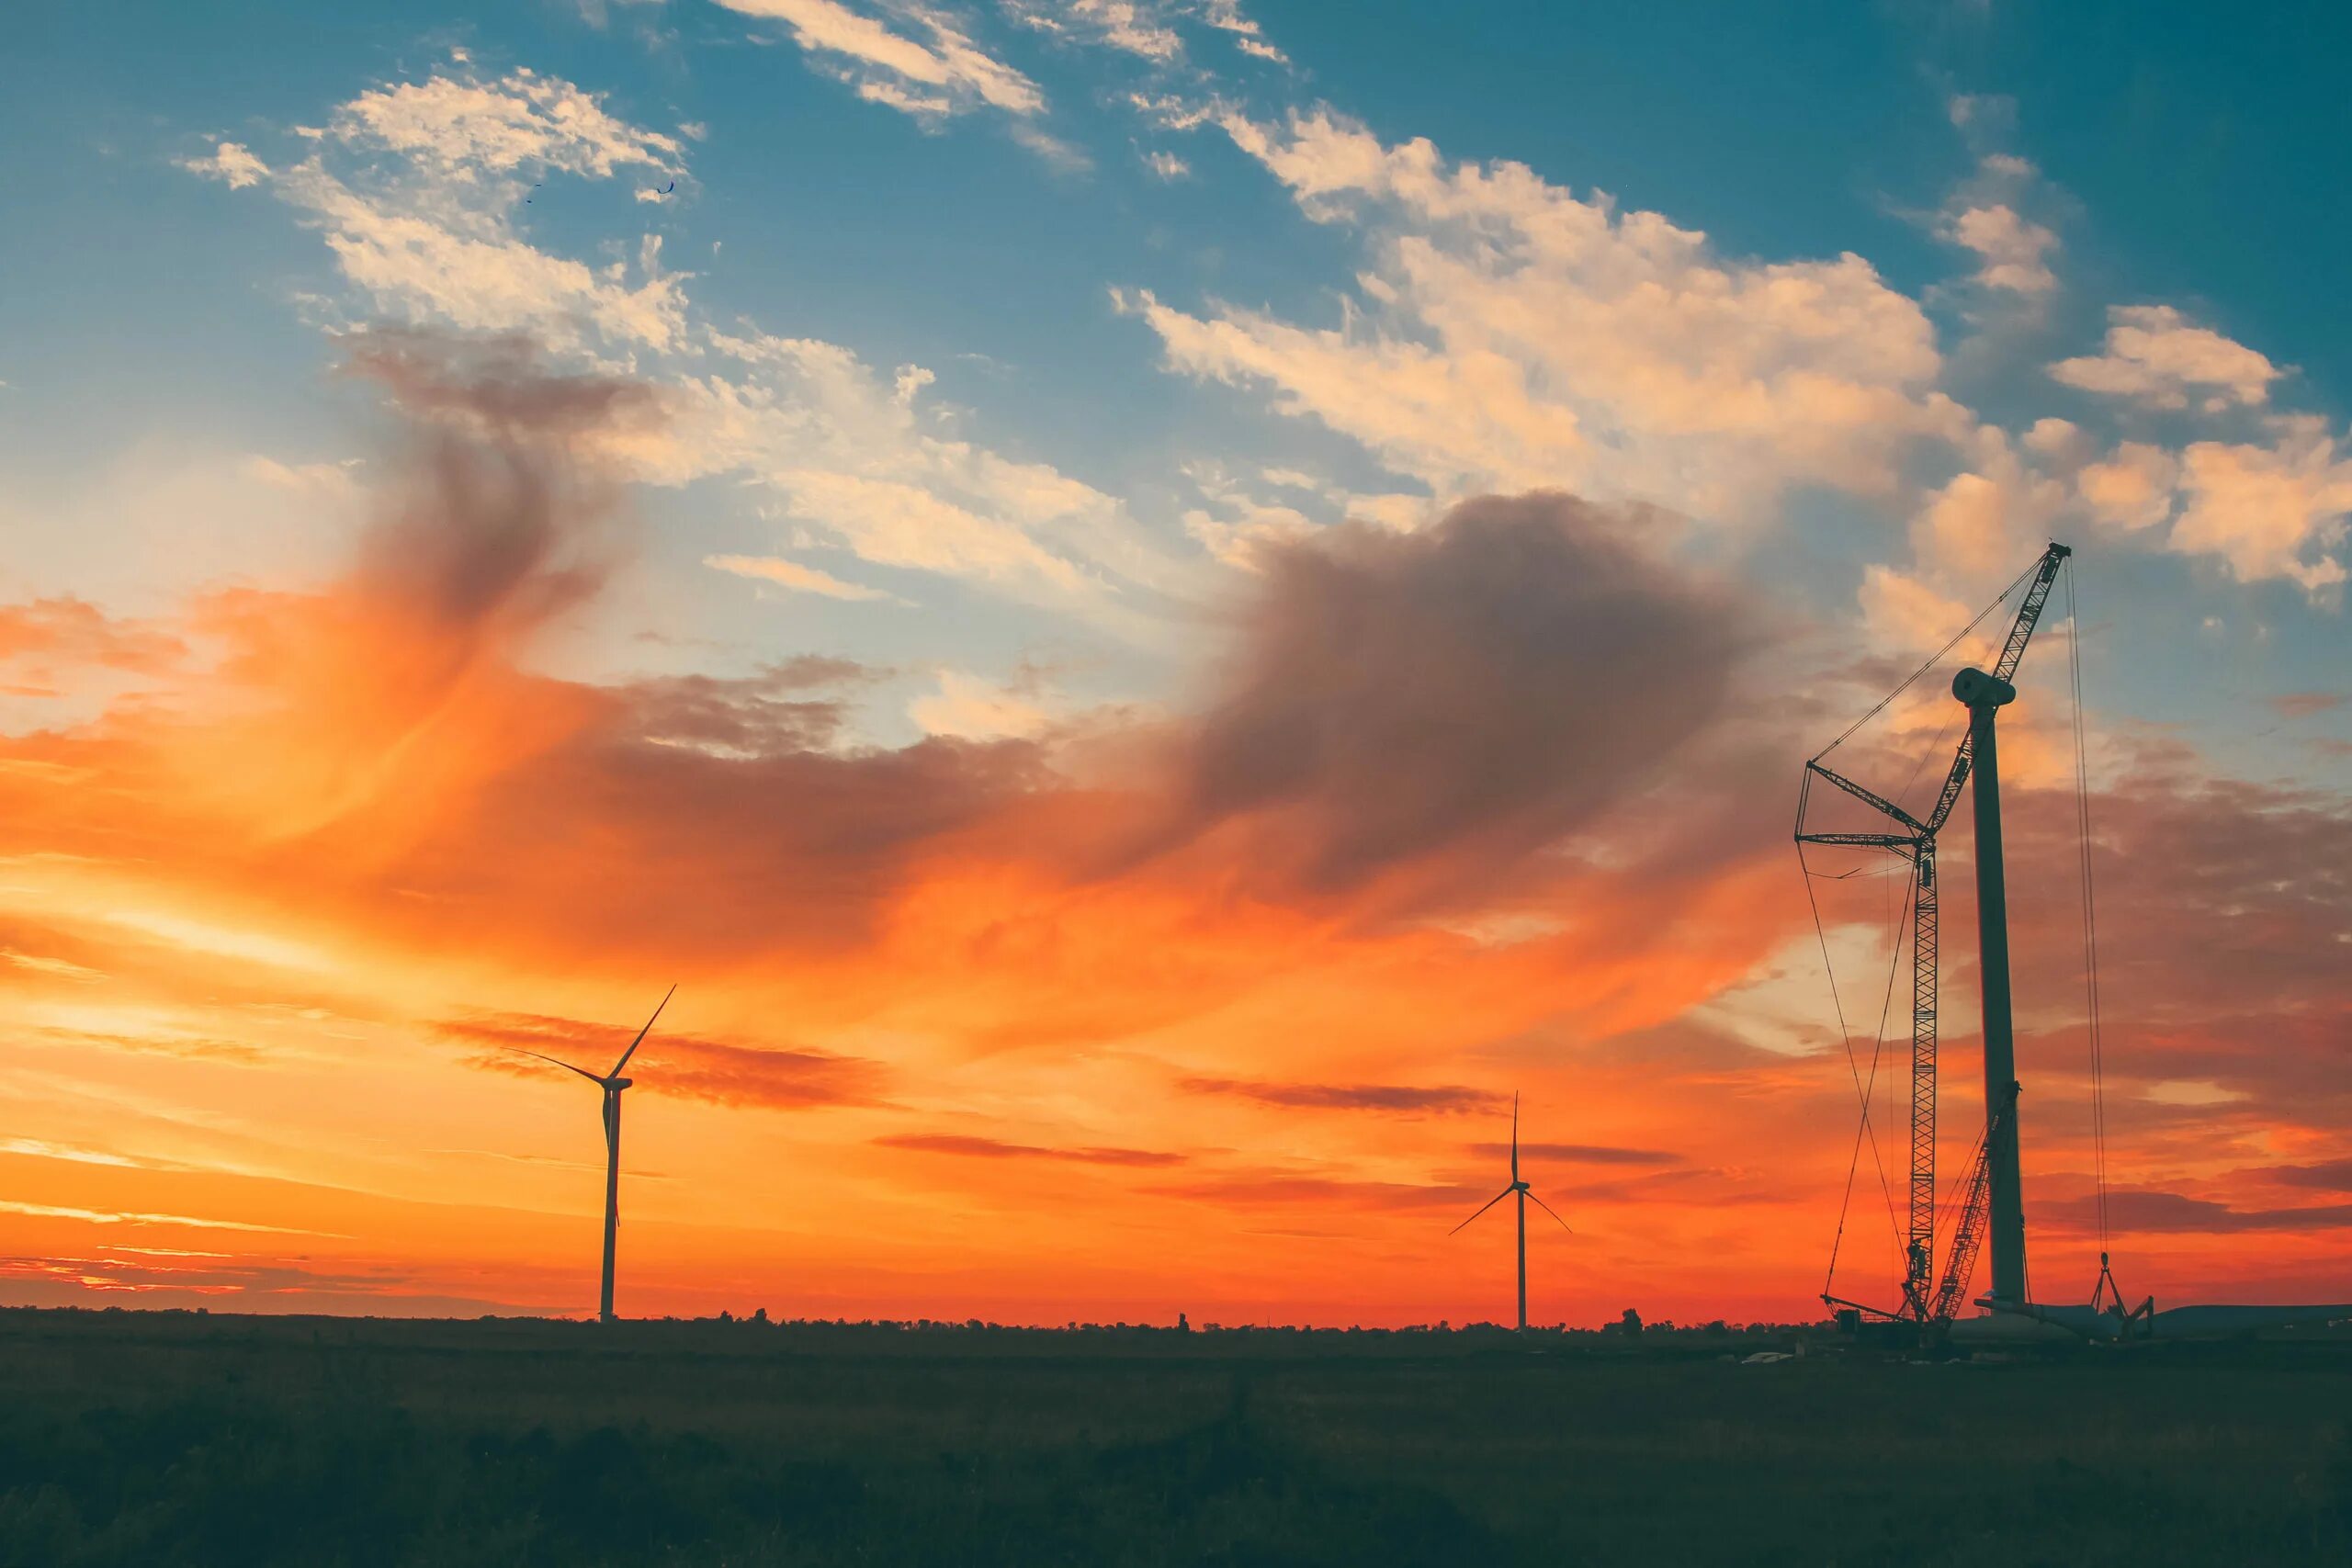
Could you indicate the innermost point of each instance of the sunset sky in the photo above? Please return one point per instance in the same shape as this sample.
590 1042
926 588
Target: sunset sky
1149 606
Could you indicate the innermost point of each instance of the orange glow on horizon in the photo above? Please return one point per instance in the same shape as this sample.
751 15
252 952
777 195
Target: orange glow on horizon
999 1030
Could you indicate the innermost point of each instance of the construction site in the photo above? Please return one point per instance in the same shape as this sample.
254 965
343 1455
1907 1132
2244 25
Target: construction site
1941 1222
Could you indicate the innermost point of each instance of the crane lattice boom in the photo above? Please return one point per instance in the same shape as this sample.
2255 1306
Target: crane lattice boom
1968 1234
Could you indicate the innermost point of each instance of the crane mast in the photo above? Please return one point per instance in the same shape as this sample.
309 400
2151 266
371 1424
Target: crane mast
1913 838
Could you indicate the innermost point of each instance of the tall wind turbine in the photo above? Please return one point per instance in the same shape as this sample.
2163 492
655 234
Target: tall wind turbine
612 1083
1523 1193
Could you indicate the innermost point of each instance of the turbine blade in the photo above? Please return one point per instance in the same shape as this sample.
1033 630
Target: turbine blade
1514 1134
567 1066
643 1034
1551 1210
1484 1206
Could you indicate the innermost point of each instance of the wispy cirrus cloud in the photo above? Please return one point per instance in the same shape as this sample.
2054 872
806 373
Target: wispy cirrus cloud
968 1148
908 56
793 577
1271 1190
777 1077
1149 29
1442 1099
122 1217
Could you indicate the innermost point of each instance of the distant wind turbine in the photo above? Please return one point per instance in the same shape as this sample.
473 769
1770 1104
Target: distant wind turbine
612 1083
1523 1192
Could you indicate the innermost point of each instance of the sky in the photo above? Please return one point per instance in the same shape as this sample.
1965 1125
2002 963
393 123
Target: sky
1152 608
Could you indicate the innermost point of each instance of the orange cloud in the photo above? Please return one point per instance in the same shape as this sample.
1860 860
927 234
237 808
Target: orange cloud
1238 994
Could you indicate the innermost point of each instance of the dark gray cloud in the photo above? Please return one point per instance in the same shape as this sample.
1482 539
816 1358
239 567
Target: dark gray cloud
1465 695
2328 1176
491 515
501 387
779 1077
1580 1153
1405 1098
2158 1213
777 709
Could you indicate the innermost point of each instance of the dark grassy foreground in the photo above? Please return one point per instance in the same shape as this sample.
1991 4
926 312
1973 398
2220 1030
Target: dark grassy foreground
161 1438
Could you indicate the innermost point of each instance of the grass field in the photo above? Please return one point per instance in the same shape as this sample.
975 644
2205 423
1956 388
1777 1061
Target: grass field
149 1439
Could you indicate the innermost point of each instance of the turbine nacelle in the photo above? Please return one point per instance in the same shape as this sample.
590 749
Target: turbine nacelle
1979 690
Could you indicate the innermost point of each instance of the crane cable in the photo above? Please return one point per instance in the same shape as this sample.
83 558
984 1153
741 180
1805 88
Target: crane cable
1929 663
1863 1091
2090 921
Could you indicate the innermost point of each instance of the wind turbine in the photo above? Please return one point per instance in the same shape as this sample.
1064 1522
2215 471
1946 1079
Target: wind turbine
1523 1192
612 1083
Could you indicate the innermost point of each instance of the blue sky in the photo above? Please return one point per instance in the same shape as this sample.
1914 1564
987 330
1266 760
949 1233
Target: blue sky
170 327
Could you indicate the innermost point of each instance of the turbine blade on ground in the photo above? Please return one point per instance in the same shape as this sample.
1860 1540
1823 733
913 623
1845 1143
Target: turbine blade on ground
1486 1205
567 1066
642 1034
1551 1210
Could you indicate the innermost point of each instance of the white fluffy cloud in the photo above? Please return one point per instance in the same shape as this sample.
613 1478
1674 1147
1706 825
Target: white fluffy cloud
2013 251
232 164
2132 490
2275 511
2154 355
1508 334
971 708
1986 215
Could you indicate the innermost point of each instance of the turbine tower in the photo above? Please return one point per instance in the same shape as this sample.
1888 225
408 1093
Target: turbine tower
612 1083
1523 1193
